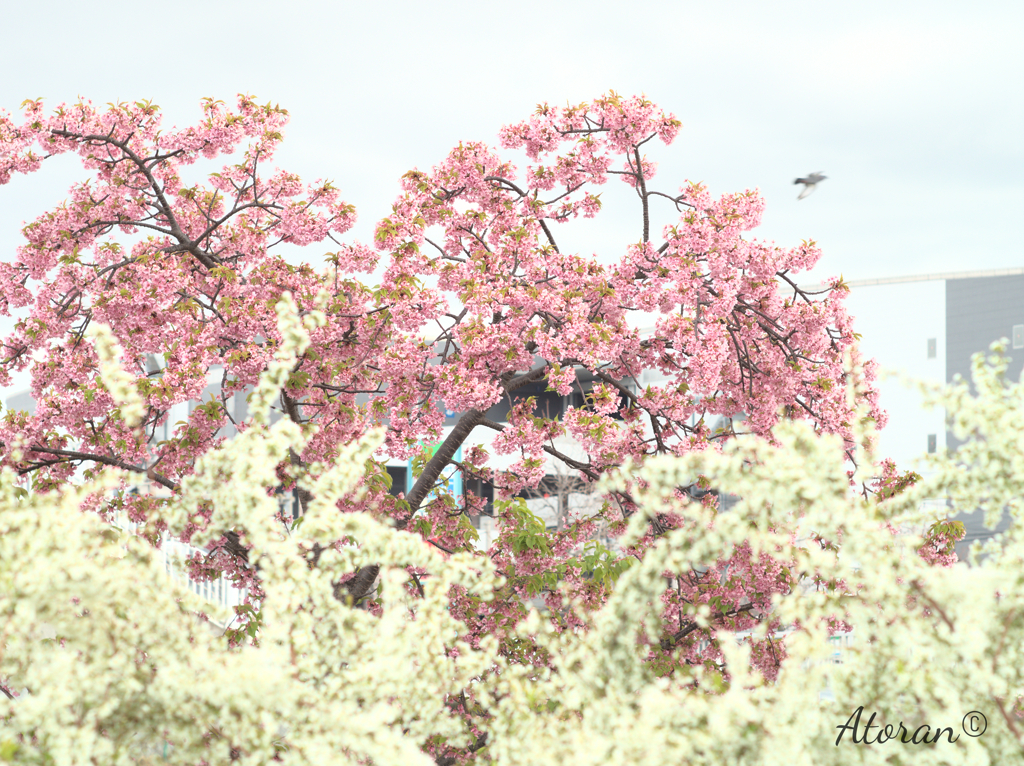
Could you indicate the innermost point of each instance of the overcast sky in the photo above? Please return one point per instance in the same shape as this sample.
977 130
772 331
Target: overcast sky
913 109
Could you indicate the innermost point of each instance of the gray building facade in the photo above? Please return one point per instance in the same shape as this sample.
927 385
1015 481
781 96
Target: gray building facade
927 327
980 311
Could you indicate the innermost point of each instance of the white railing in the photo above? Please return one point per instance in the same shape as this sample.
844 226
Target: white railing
220 591
172 554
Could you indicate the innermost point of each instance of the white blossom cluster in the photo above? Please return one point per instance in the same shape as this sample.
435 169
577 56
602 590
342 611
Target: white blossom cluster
294 342
116 379
114 668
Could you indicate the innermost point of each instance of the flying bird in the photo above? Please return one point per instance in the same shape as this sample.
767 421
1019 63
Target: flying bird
812 180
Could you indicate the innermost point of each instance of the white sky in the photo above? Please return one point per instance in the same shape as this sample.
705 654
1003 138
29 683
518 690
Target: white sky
914 109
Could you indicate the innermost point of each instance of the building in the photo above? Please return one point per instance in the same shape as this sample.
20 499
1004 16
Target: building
927 327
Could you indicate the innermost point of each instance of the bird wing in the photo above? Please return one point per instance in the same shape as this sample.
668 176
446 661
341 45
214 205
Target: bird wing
808 188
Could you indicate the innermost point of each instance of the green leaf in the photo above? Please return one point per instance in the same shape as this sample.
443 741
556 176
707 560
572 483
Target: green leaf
8 749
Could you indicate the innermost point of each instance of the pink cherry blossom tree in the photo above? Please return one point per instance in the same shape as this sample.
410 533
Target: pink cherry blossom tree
479 297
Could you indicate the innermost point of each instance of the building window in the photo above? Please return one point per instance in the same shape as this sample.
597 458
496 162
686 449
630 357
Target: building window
398 478
1018 336
932 344
932 441
483 489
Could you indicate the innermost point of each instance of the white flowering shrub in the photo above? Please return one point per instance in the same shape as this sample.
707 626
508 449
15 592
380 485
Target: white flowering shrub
108 662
